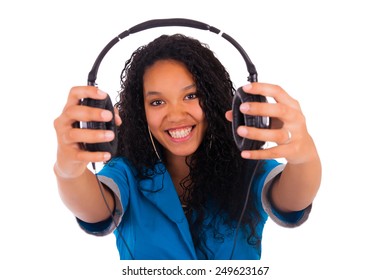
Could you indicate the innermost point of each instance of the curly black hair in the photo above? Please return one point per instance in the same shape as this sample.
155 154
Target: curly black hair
217 170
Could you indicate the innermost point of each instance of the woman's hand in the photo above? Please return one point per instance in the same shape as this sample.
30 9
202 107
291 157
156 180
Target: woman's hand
72 160
300 180
288 126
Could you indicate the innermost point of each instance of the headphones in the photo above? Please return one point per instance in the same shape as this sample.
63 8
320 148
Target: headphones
240 95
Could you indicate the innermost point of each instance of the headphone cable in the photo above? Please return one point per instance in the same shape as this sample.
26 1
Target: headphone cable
109 210
243 209
238 224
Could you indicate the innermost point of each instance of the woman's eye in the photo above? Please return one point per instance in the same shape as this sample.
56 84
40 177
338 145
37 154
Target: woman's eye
191 96
156 102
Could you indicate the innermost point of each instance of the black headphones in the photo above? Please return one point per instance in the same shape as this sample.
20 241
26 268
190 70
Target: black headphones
239 97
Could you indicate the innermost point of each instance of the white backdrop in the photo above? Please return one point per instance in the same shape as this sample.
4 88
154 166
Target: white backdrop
333 56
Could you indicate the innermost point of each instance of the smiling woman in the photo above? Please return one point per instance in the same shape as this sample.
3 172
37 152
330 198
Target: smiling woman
173 112
178 185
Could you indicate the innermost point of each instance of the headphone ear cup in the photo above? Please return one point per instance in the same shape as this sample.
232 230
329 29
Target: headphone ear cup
240 119
106 104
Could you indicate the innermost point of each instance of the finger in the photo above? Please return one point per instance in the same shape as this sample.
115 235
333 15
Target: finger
279 136
270 153
83 156
118 120
280 111
229 115
87 156
80 92
78 135
270 90
86 114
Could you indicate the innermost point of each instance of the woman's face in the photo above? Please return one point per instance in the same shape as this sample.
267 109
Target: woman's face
172 108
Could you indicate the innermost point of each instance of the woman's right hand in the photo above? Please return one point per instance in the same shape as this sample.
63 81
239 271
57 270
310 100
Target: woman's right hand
72 160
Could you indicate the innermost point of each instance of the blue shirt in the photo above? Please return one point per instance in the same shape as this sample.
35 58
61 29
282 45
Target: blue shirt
150 217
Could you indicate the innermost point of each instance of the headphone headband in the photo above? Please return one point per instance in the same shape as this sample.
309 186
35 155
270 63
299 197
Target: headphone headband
239 97
171 22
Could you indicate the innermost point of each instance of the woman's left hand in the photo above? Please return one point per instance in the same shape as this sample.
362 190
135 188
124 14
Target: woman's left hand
288 126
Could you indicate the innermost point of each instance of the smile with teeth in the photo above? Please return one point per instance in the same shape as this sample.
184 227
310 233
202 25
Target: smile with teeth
180 133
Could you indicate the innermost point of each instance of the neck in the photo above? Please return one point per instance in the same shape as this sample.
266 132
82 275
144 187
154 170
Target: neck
177 166
178 170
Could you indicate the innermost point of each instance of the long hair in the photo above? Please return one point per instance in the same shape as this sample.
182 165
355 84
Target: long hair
216 168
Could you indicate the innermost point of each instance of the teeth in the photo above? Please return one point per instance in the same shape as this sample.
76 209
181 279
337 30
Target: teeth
180 133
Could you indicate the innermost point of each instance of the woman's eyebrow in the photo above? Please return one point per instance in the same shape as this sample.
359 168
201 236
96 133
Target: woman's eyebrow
189 87
153 92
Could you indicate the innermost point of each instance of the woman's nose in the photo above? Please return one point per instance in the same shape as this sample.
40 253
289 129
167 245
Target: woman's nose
176 111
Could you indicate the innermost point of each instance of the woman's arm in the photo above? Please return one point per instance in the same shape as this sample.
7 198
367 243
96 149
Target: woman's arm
298 184
77 185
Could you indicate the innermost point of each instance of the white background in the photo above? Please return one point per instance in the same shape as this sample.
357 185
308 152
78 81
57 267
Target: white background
332 56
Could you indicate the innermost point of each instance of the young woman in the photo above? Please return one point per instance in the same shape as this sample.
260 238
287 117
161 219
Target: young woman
177 187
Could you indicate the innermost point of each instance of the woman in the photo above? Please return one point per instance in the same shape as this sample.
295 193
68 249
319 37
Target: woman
177 187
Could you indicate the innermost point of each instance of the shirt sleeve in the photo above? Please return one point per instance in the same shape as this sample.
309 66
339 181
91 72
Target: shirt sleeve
115 176
291 219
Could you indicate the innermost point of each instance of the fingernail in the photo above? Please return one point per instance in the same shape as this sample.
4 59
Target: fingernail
106 156
108 135
244 107
100 92
242 131
245 154
106 115
247 87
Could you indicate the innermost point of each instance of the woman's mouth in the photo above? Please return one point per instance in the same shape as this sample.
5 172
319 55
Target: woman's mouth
180 132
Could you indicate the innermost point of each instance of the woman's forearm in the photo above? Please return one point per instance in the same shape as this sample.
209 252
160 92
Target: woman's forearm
297 186
83 197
